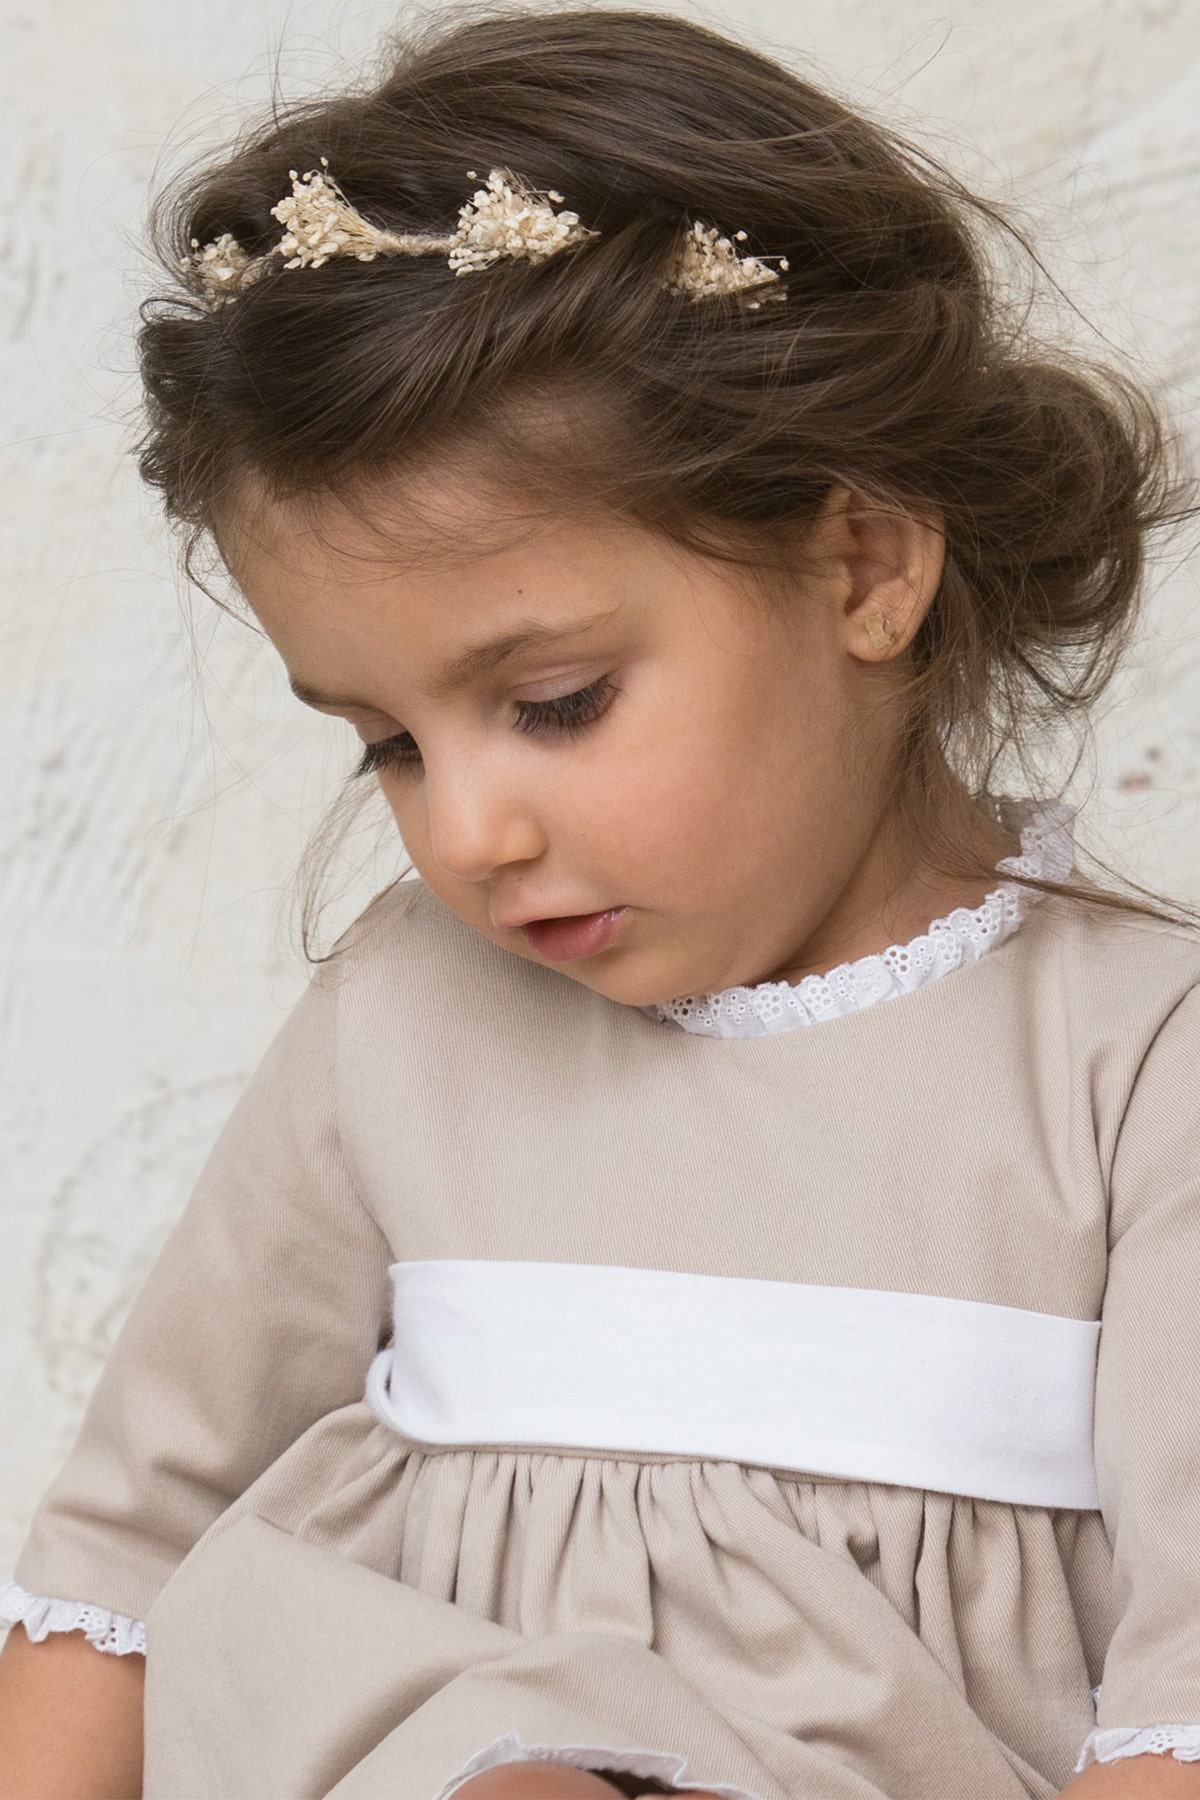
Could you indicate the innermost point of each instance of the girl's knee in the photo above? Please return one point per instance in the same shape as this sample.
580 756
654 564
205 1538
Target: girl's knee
548 1781
535 1781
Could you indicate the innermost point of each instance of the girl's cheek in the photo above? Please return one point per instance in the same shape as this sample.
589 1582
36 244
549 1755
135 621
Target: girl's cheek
403 809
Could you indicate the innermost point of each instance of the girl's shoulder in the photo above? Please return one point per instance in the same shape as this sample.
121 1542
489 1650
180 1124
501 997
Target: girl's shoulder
1116 989
1113 947
408 942
405 919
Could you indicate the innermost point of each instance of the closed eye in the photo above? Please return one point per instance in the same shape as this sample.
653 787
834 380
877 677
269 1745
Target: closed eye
567 715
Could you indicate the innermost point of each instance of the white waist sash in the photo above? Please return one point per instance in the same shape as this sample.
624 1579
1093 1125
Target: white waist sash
916 1390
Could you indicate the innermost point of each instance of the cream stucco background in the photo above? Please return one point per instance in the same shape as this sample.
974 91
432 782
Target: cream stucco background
158 780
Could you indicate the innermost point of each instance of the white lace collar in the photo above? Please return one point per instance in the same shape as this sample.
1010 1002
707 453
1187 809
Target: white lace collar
1047 851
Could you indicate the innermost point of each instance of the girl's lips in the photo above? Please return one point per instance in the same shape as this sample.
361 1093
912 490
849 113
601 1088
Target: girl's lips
563 940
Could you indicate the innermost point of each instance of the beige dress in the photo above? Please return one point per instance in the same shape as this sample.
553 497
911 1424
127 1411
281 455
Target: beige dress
741 1423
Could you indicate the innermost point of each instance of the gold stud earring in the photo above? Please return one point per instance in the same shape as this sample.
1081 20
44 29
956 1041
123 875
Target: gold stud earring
878 631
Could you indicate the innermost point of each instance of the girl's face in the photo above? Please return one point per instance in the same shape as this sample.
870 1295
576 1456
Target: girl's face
582 717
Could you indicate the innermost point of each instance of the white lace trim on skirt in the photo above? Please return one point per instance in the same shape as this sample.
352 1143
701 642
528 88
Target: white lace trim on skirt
600 1759
1116 1741
108 1631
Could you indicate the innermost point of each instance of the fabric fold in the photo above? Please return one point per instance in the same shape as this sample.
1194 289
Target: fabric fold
405 1609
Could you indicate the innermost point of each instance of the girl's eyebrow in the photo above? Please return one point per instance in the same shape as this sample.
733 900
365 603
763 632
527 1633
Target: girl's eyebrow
480 659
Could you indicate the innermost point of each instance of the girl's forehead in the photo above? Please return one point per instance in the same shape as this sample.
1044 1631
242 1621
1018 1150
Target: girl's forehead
412 522
442 539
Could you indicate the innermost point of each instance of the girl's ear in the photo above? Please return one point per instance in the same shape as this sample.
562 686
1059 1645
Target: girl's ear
886 565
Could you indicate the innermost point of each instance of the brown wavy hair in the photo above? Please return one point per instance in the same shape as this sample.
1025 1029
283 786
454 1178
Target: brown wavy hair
898 365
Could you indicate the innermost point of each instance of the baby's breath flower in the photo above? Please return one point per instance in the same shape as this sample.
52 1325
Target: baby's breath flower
710 264
506 218
319 222
222 267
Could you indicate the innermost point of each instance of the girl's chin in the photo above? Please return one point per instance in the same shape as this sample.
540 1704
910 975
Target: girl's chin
624 974
629 986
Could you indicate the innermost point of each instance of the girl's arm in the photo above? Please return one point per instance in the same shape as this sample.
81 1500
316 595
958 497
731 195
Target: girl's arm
70 1720
1147 1419
261 1315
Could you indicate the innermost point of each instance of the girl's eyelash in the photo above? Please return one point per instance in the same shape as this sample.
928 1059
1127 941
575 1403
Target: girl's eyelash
567 715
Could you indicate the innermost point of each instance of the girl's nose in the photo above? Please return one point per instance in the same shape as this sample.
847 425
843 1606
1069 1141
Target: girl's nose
477 825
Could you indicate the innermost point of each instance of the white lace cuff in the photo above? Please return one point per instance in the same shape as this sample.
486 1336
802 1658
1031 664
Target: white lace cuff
601 1759
1180 1741
108 1631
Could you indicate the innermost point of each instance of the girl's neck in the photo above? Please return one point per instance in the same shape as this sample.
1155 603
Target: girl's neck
893 896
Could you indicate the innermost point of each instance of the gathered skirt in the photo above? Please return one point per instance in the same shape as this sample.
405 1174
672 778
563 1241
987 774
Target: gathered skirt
378 1617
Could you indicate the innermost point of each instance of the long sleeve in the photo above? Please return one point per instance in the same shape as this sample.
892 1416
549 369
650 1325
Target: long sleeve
261 1314
1147 1419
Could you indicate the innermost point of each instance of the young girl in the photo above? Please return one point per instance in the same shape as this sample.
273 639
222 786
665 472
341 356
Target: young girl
701 1295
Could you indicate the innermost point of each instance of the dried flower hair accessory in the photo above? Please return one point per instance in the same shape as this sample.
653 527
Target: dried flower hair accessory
504 217
711 264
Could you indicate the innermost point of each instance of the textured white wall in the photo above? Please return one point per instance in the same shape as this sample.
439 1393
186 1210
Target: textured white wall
157 779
